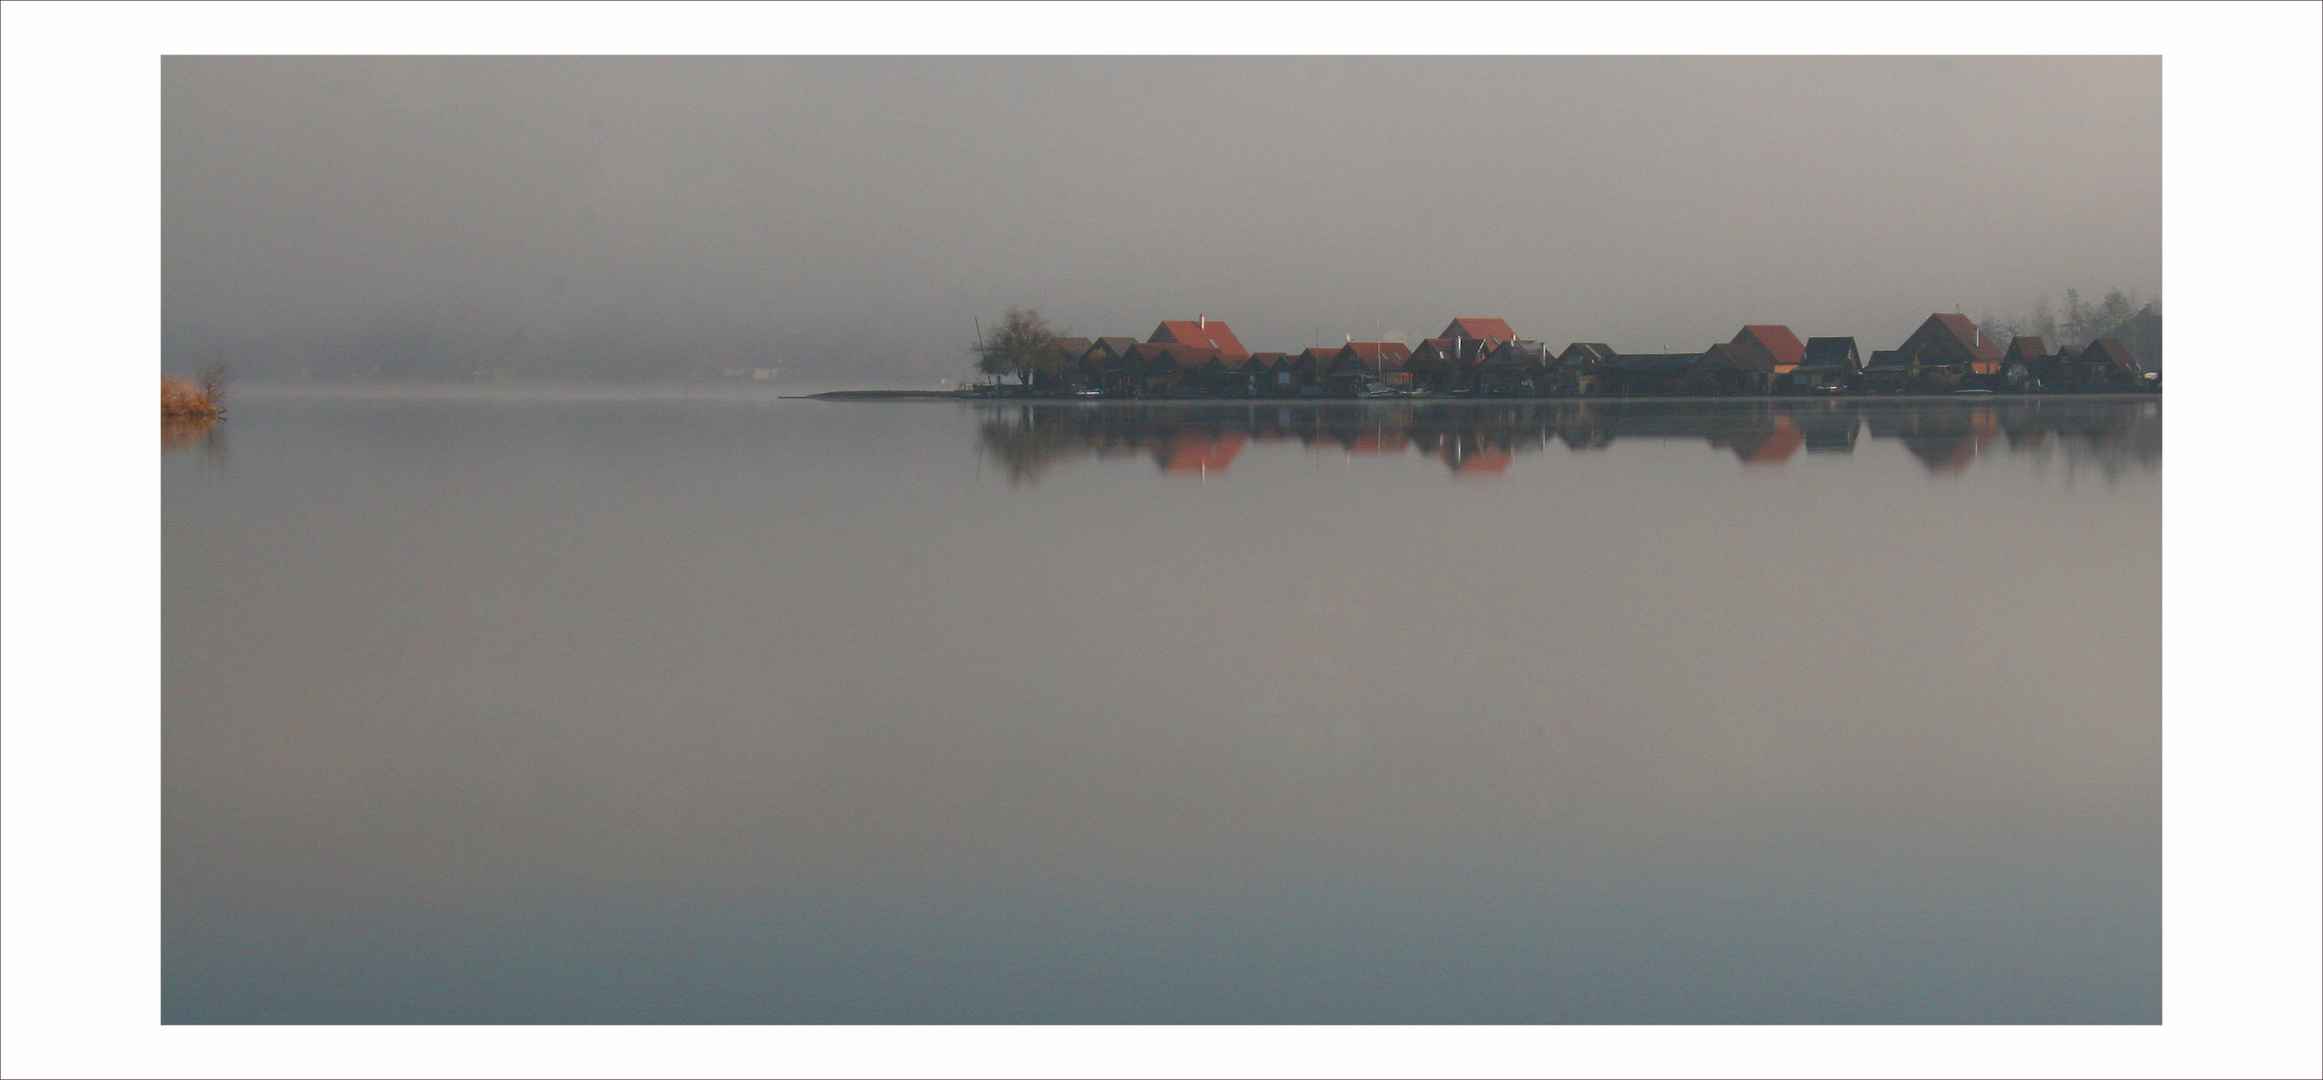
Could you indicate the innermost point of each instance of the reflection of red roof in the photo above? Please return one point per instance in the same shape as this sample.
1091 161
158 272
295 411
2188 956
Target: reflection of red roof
1777 339
1381 442
1210 332
1494 330
1778 447
1191 453
1482 463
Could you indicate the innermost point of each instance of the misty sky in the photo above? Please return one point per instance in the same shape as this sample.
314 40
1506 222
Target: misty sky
851 214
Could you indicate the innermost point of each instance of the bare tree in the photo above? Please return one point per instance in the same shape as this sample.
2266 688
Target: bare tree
211 377
1021 345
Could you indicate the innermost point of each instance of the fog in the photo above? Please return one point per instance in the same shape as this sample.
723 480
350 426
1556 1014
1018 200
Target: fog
845 218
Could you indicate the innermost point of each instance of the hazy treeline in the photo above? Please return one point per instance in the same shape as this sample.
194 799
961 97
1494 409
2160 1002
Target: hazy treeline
451 342
2076 323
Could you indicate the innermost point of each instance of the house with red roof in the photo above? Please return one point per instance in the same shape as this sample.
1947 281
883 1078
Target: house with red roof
1779 343
1952 340
1204 331
1476 335
1358 363
1436 364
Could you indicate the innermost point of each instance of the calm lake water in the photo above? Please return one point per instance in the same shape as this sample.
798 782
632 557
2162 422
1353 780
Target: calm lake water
671 708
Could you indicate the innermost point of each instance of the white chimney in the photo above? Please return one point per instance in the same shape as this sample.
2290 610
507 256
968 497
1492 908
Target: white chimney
1202 321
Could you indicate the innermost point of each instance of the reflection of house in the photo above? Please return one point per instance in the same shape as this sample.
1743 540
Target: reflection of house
1482 462
1825 363
1947 440
1483 437
1198 453
1768 441
1829 431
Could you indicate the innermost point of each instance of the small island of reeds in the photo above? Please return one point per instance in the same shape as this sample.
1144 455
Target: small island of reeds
189 407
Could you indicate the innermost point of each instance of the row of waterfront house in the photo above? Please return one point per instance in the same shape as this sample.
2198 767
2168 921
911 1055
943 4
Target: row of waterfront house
1486 358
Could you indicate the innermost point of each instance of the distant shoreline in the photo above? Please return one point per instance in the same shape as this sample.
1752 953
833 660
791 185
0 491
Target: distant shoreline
943 395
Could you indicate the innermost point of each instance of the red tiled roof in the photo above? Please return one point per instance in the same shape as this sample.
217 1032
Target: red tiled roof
2111 350
1777 339
1493 330
1378 354
1971 338
1215 335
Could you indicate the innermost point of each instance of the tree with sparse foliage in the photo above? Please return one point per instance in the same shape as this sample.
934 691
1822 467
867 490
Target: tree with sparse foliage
1020 345
2080 323
211 378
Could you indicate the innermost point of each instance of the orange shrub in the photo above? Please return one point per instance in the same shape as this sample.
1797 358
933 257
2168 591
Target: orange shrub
181 400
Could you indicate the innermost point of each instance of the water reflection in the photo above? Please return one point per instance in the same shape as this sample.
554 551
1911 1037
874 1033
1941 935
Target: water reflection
1483 439
182 434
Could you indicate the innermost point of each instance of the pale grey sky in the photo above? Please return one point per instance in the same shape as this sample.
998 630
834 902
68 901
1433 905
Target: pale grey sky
851 214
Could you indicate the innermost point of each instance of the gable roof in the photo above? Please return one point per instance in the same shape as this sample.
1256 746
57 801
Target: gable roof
1586 352
1741 355
1380 354
1827 351
1437 348
1518 353
1966 332
1269 359
1493 330
2110 350
1210 332
1172 353
1777 340
1073 348
2027 348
